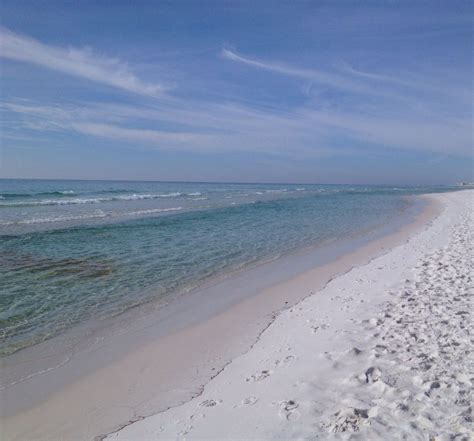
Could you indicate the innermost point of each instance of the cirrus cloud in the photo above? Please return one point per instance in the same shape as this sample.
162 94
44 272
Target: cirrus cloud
78 62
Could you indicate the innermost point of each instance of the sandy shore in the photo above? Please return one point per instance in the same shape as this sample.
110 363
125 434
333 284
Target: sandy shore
155 364
381 352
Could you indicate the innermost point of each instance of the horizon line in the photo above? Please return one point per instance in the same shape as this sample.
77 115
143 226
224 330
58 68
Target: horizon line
223 182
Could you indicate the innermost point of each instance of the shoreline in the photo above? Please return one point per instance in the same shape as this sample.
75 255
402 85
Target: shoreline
381 352
259 311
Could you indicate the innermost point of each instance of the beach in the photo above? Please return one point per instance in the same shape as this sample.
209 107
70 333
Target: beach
236 220
93 377
342 346
382 352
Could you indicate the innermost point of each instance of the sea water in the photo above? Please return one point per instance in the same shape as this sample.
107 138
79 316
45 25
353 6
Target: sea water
73 251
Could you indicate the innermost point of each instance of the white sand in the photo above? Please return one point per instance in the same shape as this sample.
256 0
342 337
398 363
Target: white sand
382 352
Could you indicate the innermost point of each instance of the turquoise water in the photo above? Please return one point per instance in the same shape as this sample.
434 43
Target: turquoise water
72 251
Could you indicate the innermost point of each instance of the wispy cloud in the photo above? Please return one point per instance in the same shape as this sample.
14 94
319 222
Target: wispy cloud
83 63
196 128
394 117
158 138
305 132
426 83
329 79
346 80
412 132
398 86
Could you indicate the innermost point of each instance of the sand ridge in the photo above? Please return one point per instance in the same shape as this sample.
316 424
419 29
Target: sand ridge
382 352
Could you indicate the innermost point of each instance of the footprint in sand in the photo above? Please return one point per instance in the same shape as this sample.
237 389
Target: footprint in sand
288 410
323 326
185 431
372 322
372 375
209 403
249 401
287 359
348 420
259 376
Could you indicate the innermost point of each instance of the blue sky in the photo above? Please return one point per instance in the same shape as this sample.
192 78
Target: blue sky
278 91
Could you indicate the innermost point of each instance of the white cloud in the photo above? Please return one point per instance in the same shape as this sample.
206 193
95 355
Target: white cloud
329 79
424 82
157 138
434 87
440 135
219 128
82 63
197 128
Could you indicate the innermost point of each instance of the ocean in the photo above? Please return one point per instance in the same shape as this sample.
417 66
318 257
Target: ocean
75 251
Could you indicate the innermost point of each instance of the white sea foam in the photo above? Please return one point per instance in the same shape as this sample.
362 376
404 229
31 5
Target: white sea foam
153 210
65 202
282 190
196 193
95 215
132 197
168 195
47 220
52 202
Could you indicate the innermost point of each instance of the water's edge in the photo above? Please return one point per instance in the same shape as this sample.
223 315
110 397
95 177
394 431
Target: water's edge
58 276
144 331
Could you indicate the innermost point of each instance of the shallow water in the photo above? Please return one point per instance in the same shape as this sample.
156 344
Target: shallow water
71 251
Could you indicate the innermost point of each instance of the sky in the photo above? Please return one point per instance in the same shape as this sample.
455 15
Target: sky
237 91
